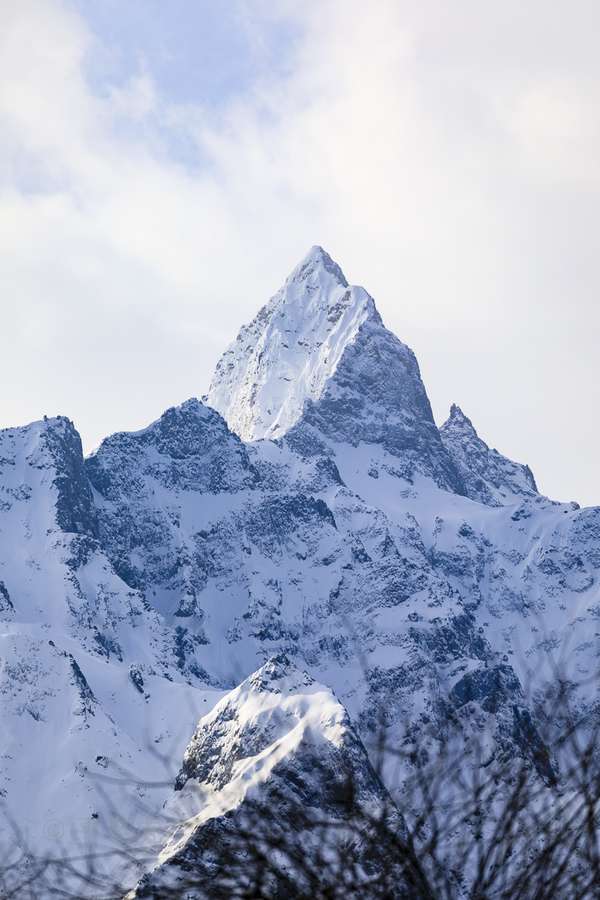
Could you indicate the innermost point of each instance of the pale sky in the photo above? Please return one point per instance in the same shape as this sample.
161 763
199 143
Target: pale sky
164 165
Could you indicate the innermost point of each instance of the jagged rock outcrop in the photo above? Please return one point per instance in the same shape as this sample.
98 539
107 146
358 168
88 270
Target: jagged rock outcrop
487 475
153 490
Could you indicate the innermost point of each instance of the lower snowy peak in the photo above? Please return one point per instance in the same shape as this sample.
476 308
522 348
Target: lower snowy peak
488 476
275 768
45 459
288 352
156 495
47 520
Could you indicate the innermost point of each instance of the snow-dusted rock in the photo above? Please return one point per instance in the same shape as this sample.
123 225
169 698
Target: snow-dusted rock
264 565
487 475
275 766
155 493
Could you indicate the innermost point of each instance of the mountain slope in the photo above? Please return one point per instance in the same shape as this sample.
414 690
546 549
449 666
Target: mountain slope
287 557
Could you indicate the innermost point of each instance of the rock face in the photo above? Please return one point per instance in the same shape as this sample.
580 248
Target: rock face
155 485
61 444
190 448
413 571
487 476
276 753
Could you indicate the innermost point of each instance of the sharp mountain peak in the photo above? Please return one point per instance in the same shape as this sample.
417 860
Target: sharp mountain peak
315 261
289 351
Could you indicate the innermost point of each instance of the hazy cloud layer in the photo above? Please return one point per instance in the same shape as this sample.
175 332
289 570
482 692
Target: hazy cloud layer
447 155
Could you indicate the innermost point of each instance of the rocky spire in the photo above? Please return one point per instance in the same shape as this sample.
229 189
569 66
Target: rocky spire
488 476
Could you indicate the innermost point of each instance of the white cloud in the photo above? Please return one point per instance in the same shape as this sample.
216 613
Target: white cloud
556 121
447 157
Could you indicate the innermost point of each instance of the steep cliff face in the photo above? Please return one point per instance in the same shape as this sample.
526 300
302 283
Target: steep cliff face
376 399
45 459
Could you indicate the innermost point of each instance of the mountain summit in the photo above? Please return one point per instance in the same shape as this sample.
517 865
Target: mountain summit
286 355
318 360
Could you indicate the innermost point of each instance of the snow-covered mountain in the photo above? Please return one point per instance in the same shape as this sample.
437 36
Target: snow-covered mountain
318 355
311 508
